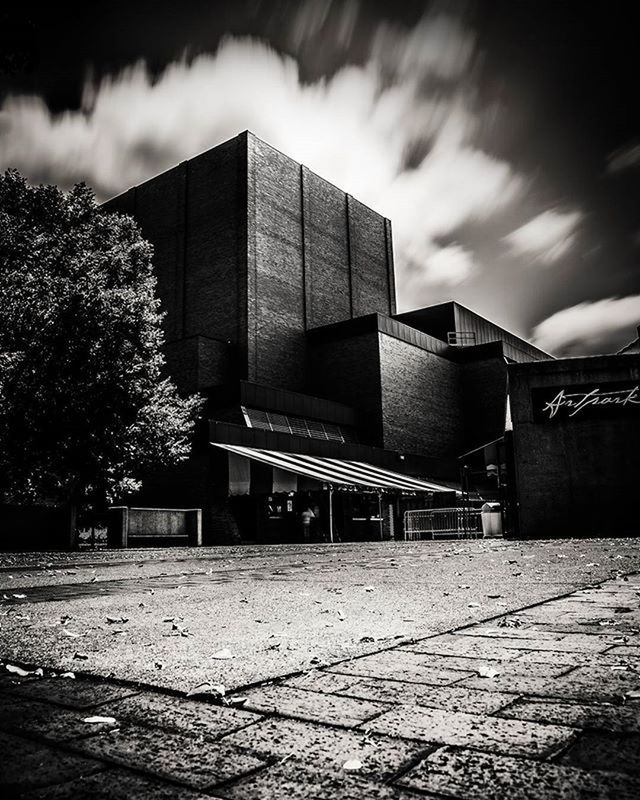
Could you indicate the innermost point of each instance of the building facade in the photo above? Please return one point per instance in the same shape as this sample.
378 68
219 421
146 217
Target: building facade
279 295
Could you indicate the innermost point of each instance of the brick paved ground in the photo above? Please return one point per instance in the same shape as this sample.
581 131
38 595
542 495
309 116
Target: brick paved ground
543 703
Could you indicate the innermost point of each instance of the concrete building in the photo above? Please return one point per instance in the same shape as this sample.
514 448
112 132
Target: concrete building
576 445
280 308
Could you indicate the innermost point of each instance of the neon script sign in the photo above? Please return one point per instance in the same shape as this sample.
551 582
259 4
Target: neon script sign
557 403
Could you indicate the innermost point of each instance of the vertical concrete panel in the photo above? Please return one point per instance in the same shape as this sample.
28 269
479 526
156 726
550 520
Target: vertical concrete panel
484 393
326 251
216 210
278 307
348 371
391 274
421 406
369 268
158 210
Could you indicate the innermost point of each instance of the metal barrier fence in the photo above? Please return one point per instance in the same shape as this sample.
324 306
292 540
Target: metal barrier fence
443 522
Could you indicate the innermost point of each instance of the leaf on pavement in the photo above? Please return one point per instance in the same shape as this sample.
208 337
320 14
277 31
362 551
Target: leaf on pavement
18 670
488 672
509 622
235 701
223 654
211 689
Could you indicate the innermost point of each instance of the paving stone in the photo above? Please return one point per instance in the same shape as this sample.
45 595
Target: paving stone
115 784
9 680
196 762
564 687
71 693
575 659
624 650
590 626
624 719
449 697
294 780
471 775
607 598
450 644
605 679
320 681
577 612
303 704
322 746
594 750
495 735
569 643
399 665
179 714
26 765
511 666
497 632
18 714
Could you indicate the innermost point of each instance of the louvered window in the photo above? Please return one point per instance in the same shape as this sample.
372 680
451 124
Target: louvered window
298 426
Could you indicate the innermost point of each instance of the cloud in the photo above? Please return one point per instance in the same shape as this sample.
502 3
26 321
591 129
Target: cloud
627 157
437 47
399 131
330 17
603 326
547 237
449 266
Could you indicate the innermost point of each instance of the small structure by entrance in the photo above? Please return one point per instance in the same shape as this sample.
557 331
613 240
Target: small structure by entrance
272 492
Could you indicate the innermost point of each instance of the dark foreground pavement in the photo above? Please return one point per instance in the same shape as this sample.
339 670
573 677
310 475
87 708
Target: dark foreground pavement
540 703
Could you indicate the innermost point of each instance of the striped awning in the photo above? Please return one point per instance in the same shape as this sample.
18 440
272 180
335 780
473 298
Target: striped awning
333 471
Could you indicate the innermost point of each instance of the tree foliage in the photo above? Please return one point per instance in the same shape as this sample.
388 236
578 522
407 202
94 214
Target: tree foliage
84 405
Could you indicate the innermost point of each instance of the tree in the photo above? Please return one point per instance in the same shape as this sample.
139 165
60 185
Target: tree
84 405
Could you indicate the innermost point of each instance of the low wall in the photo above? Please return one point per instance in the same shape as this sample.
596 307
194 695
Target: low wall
130 527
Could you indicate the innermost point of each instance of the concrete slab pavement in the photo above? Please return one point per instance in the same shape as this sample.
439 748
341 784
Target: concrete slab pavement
451 715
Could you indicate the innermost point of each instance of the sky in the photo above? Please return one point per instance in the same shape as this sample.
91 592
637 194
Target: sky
501 137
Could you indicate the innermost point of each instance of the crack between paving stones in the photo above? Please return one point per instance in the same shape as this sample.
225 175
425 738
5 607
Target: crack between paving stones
412 762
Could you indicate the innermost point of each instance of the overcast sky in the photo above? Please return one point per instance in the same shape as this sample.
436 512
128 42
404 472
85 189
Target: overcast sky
501 137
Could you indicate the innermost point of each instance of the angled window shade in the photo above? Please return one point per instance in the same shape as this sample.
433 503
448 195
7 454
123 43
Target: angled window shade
298 426
334 471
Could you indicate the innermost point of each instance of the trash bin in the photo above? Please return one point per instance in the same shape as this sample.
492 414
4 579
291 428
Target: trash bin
491 520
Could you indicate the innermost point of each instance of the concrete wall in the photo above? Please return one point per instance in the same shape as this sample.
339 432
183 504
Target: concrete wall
276 275
421 400
484 399
195 217
347 370
315 255
253 249
326 252
576 476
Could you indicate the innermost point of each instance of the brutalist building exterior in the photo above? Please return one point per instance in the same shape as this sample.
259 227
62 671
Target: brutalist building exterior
280 308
